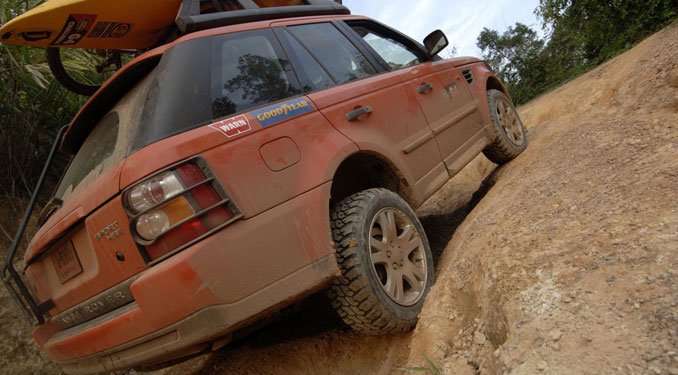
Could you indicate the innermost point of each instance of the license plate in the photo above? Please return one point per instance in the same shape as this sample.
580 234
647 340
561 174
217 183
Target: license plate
66 262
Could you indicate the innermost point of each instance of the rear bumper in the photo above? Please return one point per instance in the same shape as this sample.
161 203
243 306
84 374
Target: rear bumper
197 332
207 291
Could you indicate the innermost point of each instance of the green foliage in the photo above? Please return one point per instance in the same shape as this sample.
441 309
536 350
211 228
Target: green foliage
32 109
430 368
580 35
603 28
515 55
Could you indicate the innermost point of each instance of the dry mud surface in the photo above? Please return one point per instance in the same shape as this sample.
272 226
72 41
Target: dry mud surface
561 262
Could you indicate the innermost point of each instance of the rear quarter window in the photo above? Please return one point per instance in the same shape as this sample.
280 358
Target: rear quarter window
249 69
201 80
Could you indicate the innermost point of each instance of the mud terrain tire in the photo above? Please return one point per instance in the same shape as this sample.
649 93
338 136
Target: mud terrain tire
509 133
380 244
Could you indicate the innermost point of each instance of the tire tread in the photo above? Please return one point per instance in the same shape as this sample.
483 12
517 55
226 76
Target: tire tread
501 150
351 297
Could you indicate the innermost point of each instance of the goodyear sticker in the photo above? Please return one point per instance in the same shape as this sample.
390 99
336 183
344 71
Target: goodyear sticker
76 27
233 126
280 112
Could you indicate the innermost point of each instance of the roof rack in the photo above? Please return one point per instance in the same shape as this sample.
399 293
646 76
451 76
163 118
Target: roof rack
231 12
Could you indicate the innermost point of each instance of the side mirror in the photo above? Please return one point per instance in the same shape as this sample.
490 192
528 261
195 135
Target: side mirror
435 42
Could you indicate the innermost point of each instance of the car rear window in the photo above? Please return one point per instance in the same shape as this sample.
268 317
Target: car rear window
107 144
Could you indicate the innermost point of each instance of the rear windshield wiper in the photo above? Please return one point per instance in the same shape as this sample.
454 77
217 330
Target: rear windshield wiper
50 208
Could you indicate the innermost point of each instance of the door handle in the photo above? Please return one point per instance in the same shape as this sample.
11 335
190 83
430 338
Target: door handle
356 114
424 88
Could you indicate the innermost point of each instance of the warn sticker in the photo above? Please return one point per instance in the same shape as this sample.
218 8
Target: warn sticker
76 27
233 126
280 112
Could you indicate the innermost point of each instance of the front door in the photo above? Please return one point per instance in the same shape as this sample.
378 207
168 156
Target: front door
451 111
438 87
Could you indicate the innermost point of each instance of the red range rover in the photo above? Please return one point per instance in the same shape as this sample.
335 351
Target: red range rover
267 155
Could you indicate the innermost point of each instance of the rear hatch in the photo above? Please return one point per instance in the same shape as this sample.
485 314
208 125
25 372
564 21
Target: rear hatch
85 247
84 257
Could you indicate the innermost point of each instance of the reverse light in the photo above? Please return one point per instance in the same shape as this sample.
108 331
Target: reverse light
150 226
178 207
154 191
155 223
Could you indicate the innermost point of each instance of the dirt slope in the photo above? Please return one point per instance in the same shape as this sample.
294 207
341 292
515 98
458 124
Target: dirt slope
563 261
568 264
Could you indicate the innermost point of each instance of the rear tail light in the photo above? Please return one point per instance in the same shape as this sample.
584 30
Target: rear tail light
178 207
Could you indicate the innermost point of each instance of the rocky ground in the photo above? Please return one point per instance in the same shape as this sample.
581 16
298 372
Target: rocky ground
568 264
563 261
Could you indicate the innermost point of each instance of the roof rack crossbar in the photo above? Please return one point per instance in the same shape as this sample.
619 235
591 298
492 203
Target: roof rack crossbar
189 20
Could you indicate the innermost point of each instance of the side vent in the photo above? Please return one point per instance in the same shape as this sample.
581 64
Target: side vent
468 75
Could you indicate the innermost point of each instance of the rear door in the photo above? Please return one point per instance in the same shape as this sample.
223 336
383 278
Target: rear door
438 86
371 106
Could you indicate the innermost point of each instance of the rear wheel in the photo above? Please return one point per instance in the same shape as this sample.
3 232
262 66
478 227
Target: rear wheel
385 262
509 135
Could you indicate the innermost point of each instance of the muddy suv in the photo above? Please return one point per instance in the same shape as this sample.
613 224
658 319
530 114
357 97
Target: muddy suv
240 168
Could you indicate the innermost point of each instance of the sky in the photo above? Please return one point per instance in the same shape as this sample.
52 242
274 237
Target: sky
462 21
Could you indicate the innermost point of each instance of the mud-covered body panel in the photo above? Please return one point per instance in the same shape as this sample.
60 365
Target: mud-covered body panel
276 163
223 269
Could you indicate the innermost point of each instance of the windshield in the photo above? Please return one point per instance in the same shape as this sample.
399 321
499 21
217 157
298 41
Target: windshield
107 145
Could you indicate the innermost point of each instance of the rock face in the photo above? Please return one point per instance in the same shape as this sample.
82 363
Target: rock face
561 262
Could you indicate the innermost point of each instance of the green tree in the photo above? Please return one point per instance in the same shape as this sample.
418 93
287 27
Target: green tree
594 30
261 79
580 34
516 56
32 109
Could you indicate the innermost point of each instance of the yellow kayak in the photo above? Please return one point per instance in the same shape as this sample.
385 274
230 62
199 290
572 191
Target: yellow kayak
98 24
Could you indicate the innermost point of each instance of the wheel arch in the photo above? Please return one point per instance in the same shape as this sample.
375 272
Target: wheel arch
493 83
365 170
486 81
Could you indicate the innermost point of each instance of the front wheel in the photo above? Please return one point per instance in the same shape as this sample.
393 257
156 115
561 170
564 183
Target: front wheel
507 128
385 262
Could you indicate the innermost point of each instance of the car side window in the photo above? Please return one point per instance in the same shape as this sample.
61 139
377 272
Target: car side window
249 69
342 61
311 74
396 54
